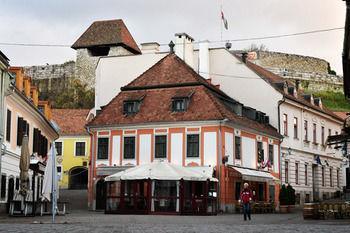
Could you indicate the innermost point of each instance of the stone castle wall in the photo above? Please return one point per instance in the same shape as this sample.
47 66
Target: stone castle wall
292 62
51 78
86 64
313 73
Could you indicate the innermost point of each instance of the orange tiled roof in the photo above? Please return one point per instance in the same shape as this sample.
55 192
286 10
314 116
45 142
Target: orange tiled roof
107 32
71 121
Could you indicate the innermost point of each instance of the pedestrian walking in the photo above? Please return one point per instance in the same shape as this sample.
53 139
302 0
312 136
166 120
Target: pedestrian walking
245 199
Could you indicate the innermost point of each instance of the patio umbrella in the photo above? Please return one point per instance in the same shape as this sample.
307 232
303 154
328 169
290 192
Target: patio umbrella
50 183
24 166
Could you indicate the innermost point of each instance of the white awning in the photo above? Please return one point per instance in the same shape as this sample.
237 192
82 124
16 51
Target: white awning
255 175
163 170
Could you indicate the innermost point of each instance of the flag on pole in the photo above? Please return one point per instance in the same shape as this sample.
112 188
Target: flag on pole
224 20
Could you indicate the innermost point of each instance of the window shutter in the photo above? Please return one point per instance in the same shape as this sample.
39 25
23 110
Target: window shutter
8 126
19 131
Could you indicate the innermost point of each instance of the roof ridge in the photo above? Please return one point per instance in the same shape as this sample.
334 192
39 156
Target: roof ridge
213 99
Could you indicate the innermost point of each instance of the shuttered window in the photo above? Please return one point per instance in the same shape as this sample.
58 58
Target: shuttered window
8 126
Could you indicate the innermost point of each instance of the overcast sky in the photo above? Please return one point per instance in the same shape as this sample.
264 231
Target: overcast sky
63 21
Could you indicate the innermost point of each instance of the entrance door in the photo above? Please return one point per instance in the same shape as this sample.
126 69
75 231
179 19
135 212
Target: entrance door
78 178
10 193
100 195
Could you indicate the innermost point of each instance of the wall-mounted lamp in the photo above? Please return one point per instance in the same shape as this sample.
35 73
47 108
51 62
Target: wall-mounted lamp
289 151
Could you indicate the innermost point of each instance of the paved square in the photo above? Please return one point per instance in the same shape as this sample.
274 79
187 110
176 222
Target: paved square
88 222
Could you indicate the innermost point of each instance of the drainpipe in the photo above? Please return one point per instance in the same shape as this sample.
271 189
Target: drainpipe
280 102
92 157
220 161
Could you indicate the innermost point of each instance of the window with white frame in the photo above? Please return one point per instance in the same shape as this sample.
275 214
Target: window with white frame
160 146
192 146
285 124
129 147
295 127
80 148
102 148
58 146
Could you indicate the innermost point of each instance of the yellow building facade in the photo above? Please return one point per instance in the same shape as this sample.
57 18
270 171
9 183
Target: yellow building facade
73 148
73 161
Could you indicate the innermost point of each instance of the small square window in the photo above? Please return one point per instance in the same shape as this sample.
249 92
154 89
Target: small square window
131 107
179 104
58 146
80 149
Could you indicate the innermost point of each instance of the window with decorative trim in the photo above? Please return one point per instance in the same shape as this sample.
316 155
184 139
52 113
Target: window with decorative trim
102 148
129 147
192 146
160 147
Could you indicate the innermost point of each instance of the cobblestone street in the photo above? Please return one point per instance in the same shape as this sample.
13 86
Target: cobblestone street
98 222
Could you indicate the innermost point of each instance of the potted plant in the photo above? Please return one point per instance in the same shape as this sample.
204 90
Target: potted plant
283 198
291 197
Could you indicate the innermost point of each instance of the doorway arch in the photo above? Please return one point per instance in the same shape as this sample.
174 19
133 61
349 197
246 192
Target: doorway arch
10 192
100 195
78 178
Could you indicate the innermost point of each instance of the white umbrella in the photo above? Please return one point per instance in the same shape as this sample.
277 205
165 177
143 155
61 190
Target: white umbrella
50 184
50 176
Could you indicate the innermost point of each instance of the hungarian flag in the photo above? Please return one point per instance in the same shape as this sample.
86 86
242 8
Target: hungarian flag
224 20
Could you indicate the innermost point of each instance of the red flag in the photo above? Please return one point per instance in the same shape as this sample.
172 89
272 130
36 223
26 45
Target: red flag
224 20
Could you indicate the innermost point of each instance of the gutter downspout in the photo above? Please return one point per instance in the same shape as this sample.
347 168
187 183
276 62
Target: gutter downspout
280 102
92 162
219 163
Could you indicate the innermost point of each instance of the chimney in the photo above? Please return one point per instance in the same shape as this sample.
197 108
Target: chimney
244 57
27 84
171 46
18 71
46 108
34 95
204 69
184 47
150 47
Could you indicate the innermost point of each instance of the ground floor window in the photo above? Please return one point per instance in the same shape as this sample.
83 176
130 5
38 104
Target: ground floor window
238 190
161 196
3 187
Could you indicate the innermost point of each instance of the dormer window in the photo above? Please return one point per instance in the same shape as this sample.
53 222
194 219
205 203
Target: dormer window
181 100
132 104
131 107
180 104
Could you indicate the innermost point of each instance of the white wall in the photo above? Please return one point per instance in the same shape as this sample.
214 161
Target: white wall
116 150
242 84
249 152
145 148
229 147
112 73
210 148
176 148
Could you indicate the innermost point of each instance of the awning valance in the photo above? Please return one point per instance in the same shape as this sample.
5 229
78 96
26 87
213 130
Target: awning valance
163 170
254 175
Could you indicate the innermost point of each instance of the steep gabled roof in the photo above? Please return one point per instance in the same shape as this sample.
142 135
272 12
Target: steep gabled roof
4 59
172 78
71 121
274 80
107 32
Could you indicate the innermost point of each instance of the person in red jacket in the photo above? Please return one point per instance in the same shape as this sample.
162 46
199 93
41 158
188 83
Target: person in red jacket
246 198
